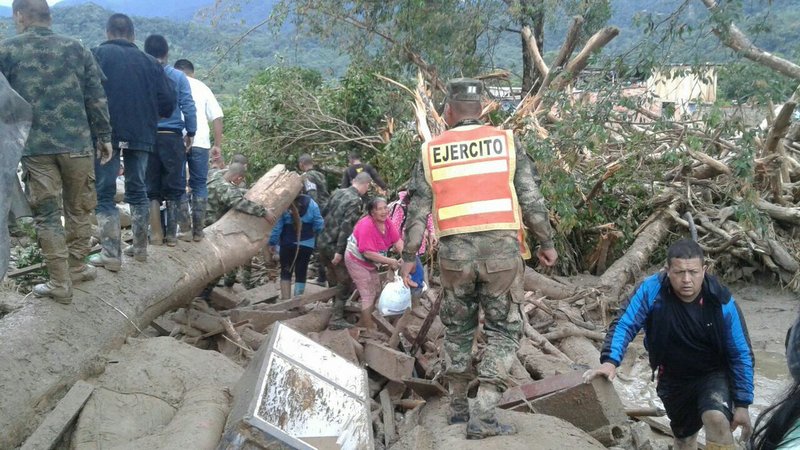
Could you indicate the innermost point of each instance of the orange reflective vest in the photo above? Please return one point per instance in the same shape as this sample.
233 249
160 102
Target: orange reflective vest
471 173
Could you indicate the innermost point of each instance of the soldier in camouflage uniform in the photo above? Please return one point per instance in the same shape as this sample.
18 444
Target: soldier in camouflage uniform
481 268
224 193
317 187
314 181
61 81
341 215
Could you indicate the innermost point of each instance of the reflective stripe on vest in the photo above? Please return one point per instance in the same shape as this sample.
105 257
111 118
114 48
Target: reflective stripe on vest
471 173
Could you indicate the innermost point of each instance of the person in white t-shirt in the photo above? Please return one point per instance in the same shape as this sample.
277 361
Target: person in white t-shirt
208 110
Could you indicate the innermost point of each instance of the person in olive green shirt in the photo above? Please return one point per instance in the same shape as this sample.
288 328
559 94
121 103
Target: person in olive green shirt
59 77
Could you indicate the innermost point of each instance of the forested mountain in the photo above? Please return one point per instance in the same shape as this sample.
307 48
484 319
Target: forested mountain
187 24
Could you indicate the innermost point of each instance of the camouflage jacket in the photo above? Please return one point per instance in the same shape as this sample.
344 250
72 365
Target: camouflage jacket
317 187
341 215
485 244
59 77
222 196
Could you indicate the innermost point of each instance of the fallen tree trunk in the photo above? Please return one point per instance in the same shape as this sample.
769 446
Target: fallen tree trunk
47 346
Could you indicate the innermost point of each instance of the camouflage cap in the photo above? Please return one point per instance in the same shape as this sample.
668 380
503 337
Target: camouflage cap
464 90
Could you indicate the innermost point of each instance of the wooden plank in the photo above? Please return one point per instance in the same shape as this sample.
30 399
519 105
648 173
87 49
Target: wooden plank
383 325
260 320
259 294
519 394
425 388
60 418
388 418
302 300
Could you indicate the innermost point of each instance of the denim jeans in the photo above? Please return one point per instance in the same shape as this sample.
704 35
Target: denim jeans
106 180
197 160
166 178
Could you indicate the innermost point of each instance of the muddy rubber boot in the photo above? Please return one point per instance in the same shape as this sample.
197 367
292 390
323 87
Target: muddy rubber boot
286 289
156 229
171 230
299 288
109 256
184 220
322 275
459 405
483 422
59 287
337 321
710 445
199 206
140 215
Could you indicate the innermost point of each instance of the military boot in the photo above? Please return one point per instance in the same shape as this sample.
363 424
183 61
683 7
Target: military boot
84 272
184 220
199 205
156 229
59 287
109 256
171 230
337 321
483 421
140 215
459 405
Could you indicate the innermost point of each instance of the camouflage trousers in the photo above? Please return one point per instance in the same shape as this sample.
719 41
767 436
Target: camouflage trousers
337 274
49 181
495 286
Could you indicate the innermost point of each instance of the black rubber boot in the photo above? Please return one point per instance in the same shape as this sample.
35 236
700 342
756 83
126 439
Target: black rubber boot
171 230
184 219
199 206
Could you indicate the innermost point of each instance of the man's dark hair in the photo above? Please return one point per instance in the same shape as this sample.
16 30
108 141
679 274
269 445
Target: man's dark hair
684 249
156 46
239 158
120 26
36 10
184 65
466 109
305 159
353 156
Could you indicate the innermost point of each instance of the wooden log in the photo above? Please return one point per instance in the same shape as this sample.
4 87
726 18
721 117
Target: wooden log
552 289
635 259
47 346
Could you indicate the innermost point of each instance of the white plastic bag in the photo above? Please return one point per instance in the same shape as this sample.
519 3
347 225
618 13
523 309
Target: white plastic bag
395 297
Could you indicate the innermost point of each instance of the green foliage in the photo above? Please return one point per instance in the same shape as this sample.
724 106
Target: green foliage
287 111
743 80
397 159
257 122
29 254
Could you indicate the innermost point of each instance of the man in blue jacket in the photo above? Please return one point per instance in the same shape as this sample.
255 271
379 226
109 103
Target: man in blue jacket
138 95
165 175
697 341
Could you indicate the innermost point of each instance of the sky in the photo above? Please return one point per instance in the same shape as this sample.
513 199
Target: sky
8 2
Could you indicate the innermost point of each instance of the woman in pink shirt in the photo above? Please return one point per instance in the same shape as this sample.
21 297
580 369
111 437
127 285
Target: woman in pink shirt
372 238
